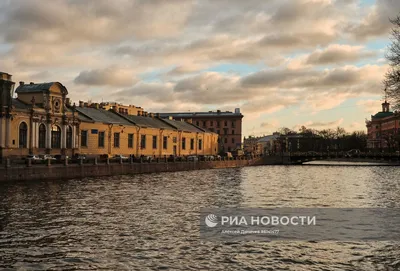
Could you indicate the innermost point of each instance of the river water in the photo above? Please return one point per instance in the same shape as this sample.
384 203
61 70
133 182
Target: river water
151 222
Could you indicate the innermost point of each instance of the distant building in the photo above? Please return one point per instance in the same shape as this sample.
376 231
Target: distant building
252 146
120 108
228 126
384 129
269 143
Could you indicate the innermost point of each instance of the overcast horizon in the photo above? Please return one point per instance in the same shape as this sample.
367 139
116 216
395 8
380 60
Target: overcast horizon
317 63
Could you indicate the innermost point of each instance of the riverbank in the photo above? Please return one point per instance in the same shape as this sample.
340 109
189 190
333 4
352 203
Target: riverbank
78 171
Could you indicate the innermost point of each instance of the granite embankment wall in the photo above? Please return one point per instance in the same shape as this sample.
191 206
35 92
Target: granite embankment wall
76 171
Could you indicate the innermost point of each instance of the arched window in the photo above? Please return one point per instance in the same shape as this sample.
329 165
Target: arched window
55 137
42 136
69 137
23 135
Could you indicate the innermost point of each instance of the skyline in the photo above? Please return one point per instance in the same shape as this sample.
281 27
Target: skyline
320 61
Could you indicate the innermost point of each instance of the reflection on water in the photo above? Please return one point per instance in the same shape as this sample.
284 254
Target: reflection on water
148 222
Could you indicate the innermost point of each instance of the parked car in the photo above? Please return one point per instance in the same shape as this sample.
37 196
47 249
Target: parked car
33 157
60 157
120 156
192 158
210 157
147 158
46 157
79 157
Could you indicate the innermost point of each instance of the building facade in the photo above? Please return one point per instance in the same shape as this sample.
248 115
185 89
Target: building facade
37 121
110 132
228 126
41 120
384 130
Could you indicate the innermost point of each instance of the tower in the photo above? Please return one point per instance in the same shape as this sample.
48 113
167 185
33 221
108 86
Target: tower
385 105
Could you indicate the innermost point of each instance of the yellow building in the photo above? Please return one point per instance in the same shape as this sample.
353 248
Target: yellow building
37 121
109 132
41 120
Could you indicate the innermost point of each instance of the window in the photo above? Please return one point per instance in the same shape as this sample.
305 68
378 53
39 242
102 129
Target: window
23 135
225 123
84 138
174 139
55 137
218 124
218 131
154 142
211 123
211 129
165 142
42 136
204 123
233 132
101 139
116 140
130 140
197 123
226 140
69 137
143 141
225 131
233 140
200 144
183 143
192 144
233 124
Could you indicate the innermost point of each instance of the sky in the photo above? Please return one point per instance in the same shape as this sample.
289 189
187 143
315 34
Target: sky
284 63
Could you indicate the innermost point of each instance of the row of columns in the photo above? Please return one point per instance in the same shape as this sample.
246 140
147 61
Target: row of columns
5 125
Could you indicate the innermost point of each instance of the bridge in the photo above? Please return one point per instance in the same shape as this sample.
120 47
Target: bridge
292 158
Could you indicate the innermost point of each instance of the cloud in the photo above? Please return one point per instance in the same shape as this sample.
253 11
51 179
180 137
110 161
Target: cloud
111 76
376 21
270 125
337 53
93 21
320 124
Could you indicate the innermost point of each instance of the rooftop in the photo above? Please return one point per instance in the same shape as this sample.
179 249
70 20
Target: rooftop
183 126
32 87
217 113
381 115
100 115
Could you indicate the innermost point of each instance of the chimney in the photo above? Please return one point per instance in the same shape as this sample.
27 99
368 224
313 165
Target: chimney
80 103
86 104
145 113
139 113
31 83
189 121
218 111
151 115
21 83
157 115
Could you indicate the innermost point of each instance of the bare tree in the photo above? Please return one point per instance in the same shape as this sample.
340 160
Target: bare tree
392 77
